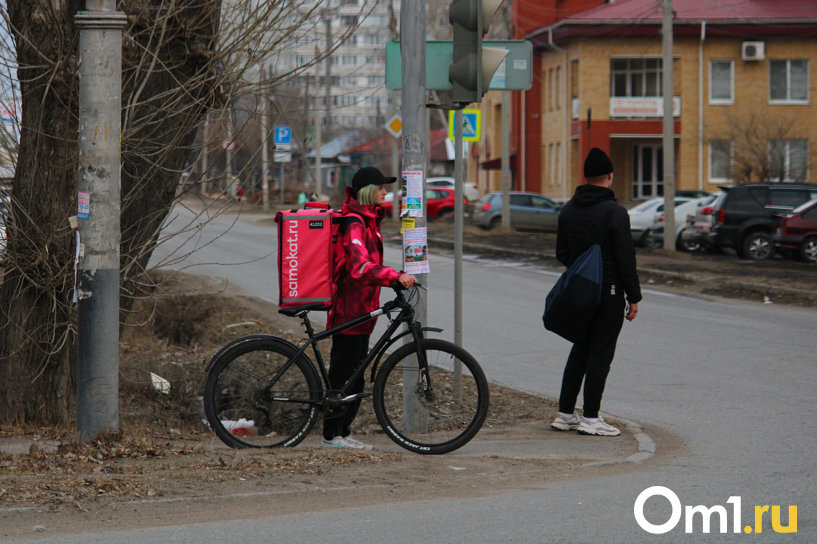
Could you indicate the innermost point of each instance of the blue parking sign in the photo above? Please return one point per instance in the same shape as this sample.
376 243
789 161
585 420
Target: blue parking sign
283 135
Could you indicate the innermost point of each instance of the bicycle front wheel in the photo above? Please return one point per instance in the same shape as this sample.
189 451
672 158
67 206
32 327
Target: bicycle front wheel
257 396
431 420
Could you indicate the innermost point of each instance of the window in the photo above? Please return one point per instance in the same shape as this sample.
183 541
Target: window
520 200
787 198
788 80
720 160
635 77
721 78
556 85
542 202
788 160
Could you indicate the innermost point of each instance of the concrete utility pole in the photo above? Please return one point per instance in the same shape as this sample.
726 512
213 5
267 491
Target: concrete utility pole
100 91
415 134
669 131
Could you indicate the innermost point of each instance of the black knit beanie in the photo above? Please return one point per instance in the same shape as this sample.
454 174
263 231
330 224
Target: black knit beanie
597 164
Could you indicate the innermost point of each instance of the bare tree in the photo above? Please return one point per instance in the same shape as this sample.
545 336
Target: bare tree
181 59
760 146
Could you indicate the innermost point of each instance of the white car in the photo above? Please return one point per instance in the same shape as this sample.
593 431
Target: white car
469 188
683 211
644 216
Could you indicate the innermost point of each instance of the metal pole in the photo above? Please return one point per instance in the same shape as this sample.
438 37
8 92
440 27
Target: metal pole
264 141
669 131
459 176
100 91
204 164
415 132
394 98
506 160
229 188
506 134
318 137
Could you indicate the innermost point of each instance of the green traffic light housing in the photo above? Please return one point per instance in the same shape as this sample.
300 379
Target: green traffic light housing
472 66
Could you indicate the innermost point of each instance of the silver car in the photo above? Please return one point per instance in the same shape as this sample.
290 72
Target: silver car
529 211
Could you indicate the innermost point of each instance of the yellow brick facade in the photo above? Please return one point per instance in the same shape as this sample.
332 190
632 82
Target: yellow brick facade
581 70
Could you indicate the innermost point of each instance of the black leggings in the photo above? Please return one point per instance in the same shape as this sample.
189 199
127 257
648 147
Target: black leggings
347 352
590 360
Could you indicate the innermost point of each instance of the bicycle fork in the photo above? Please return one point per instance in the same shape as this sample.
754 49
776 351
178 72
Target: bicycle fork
424 388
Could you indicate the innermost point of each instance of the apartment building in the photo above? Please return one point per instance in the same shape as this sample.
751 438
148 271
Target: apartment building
347 91
741 98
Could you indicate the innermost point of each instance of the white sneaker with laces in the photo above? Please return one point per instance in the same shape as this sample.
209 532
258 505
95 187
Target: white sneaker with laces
597 428
345 442
336 442
356 444
565 422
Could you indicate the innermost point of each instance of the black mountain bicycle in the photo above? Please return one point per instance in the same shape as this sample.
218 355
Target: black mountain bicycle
430 395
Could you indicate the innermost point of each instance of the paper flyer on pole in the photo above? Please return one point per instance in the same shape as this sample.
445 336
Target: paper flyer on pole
415 251
412 202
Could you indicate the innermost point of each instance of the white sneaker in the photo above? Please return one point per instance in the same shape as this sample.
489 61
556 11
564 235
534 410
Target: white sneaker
597 428
336 442
564 422
356 444
345 442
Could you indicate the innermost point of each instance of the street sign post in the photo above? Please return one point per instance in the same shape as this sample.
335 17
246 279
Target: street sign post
282 138
514 74
283 144
471 125
394 126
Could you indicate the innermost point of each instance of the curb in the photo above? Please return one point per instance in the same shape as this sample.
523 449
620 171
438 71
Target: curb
646 446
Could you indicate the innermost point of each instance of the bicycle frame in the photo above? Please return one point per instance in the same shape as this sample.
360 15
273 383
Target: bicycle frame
406 315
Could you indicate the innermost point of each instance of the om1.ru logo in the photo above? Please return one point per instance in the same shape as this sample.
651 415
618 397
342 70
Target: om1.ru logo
706 514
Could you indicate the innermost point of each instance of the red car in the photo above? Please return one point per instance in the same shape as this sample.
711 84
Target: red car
797 232
439 202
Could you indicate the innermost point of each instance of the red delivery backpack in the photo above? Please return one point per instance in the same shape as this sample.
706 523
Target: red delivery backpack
309 264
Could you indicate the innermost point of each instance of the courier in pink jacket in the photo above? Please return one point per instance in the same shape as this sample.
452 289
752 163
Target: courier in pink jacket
358 293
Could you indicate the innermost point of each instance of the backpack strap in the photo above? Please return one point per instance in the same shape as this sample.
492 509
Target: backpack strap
343 223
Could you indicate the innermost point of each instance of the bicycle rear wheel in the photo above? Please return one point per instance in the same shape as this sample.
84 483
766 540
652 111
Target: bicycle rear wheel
436 422
248 407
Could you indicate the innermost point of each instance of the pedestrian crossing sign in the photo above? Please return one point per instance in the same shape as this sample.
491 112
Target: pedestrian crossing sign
471 123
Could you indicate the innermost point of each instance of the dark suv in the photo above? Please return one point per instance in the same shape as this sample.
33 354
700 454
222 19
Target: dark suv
748 215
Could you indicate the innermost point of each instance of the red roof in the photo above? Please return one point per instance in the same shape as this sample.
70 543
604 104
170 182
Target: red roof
704 10
382 145
725 17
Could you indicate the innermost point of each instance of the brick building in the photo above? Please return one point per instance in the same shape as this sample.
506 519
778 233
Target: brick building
742 95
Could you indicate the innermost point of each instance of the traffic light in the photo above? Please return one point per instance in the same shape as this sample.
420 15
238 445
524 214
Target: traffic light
473 67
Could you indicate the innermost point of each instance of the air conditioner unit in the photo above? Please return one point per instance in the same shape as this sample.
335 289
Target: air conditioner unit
753 51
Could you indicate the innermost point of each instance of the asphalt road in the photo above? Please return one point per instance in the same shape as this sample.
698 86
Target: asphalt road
733 381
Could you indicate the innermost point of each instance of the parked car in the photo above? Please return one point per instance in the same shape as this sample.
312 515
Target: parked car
692 193
683 210
529 211
747 217
797 232
695 235
469 188
439 202
644 215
